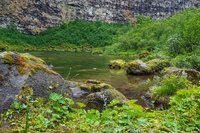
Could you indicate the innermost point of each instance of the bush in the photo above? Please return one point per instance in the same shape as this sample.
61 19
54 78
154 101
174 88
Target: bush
170 84
76 32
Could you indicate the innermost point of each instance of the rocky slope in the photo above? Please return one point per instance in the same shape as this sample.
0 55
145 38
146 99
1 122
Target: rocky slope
34 16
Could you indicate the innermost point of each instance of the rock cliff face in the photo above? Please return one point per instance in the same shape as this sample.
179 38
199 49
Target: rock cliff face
123 10
33 16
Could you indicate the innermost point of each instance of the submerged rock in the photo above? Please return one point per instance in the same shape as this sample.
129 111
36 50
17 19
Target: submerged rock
98 100
94 86
17 70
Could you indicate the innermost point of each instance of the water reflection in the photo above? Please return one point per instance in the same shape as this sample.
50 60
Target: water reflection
82 68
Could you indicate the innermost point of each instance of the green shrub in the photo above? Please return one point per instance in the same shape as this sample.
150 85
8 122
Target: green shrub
170 84
186 108
76 32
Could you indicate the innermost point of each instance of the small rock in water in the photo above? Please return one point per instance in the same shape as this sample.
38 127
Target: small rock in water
94 68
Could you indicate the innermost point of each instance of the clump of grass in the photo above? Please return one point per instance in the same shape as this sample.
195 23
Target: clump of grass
170 84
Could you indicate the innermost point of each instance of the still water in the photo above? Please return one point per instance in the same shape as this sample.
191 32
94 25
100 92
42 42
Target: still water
83 66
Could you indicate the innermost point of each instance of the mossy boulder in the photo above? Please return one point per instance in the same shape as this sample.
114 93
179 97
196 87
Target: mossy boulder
143 54
138 67
94 86
191 74
158 65
98 100
117 64
15 72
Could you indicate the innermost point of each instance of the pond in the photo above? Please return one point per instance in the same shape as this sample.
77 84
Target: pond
83 66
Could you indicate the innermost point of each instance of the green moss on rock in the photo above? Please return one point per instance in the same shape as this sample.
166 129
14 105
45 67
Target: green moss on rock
94 86
117 64
143 54
26 62
99 99
157 64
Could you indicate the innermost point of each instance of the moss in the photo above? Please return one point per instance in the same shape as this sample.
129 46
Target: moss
33 71
117 64
143 54
134 64
26 91
92 81
30 75
157 64
8 59
86 87
26 62
56 85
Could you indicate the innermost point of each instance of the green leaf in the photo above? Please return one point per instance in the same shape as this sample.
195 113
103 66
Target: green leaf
113 102
62 101
49 111
133 101
56 115
65 107
80 104
55 97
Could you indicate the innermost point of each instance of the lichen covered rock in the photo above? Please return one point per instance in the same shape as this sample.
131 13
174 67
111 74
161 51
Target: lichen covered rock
191 74
98 100
143 54
137 67
94 86
17 70
117 64
157 64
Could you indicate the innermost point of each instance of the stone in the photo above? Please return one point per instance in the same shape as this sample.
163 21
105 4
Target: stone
117 64
191 74
18 70
99 99
158 65
32 16
94 86
143 54
138 67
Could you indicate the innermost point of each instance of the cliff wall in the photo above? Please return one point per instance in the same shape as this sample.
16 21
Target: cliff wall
34 16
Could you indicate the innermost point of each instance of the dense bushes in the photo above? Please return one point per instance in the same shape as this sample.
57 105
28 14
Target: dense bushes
177 35
76 32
